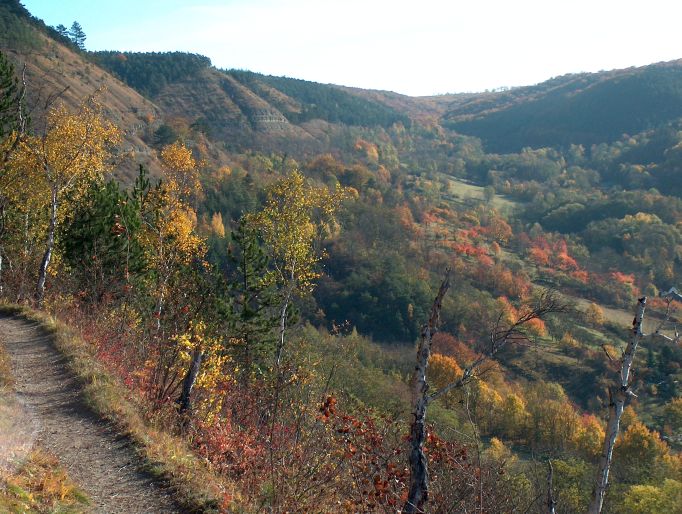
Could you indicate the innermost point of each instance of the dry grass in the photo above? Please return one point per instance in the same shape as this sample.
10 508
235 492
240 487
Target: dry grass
40 485
165 456
6 378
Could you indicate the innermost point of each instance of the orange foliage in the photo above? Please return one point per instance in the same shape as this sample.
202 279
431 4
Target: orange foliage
370 150
623 278
447 344
552 254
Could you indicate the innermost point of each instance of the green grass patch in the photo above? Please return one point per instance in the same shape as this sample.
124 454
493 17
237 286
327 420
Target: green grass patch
466 190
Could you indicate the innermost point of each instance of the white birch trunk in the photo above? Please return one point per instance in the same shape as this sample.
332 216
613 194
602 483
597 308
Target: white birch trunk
47 256
617 398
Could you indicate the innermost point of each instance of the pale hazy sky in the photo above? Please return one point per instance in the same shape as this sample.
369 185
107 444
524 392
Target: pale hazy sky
418 47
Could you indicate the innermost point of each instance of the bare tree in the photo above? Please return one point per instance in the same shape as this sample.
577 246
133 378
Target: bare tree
621 391
546 303
419 467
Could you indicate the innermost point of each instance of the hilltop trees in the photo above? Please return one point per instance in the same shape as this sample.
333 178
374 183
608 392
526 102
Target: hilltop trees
77 35
13 124
13 117
62 30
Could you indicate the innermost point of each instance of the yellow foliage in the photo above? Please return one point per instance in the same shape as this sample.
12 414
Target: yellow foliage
595 314
217 225
180 170
569 341
71 154
442 371
222 173
40 485
170 238
513 416
295 216
645 499
498 452
589 436
629 416
213 365
369 149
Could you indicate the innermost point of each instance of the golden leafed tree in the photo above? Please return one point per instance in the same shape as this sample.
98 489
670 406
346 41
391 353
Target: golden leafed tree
295 218
169 235
62 162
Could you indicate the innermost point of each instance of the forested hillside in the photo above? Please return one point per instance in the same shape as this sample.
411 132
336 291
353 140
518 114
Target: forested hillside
254 259
574 109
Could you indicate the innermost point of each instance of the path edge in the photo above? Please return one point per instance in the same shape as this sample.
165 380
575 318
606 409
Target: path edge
163 456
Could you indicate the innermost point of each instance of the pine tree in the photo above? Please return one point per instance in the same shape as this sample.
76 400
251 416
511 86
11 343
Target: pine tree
77 35
63 31
12 115
252 311
101 239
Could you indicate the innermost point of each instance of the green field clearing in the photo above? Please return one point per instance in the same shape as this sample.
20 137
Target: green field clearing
465 190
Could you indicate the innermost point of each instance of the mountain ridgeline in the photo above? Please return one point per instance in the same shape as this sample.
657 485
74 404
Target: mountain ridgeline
574 109
261 100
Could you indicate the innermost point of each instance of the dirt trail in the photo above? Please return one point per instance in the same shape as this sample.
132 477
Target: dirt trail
102 463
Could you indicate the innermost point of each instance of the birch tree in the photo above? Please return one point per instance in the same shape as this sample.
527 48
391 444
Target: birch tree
72 152
169 233
295 216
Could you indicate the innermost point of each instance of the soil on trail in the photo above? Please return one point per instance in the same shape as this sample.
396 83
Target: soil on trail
101 462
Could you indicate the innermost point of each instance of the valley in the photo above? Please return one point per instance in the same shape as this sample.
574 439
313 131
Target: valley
252 259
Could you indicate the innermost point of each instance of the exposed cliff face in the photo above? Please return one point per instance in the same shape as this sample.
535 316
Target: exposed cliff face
156 97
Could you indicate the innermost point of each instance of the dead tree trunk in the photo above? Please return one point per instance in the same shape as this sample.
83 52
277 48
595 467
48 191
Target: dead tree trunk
185 399
618 395
419 476
419 471
551 502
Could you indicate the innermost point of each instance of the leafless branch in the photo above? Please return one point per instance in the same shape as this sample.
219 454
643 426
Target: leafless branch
546 303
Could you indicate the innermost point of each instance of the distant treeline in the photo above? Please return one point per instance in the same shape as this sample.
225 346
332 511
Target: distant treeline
17 28
150 72
321 101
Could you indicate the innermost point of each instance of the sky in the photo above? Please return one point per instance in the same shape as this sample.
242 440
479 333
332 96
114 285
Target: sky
418 47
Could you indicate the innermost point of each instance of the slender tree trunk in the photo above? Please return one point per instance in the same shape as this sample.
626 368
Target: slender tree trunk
47 256
24 263
419 469
617 398
185 400
283 324
551 502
